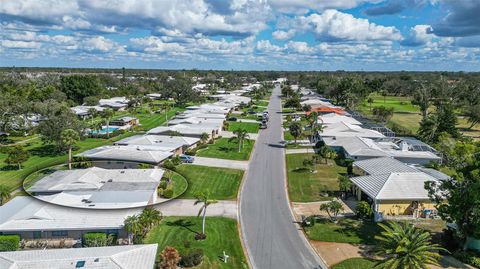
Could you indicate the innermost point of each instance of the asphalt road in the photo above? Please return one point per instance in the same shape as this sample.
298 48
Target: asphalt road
272 238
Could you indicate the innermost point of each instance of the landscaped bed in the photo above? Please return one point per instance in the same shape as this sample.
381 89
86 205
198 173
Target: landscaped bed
355 263
225 149
221 183
305 186
222 235
250 127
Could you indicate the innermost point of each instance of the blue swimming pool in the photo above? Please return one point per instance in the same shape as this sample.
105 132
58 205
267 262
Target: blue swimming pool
104 130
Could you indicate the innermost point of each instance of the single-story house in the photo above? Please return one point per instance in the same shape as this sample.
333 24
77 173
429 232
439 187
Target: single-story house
394 188
327 110
123 157
125 122
83 112
113 257
189 130
115 103
178 144
197 121
361 148
343 129
31 218
334 118
210 108
99 188
154 96
200 114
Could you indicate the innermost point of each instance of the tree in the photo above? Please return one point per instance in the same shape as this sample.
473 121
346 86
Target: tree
332 208
344 183
93 113
447 120
69 139
370 102
428 128
204 138
457 201
78 87
384 93
422 98
204 199
108 114
150 217
133 227
169 258
16 155
363 210
473 115
405 246
382 114
295 130
327 153
240 136
5 194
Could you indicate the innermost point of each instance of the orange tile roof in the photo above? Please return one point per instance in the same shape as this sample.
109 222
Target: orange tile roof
325 109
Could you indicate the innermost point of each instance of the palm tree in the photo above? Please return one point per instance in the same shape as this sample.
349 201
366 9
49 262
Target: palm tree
240 136
93 113
405 246
204 137
108 115
97 126
69 139
133 227
203 198
149 217
295 130
370 102
4 194
332 208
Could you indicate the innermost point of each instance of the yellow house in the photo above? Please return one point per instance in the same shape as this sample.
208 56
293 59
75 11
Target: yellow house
396 193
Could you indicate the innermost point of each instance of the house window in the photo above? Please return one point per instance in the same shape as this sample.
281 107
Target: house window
37 235
59 233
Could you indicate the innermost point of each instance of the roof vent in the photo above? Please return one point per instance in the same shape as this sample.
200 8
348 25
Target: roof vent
110 180
96 260
122 172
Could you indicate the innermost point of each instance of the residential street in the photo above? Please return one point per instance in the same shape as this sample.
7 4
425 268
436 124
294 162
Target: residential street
272 238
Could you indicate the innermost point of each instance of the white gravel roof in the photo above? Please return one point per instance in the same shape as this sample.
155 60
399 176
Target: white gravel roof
128 153
114 257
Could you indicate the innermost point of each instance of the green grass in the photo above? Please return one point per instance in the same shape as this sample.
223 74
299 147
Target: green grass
347 230
355 263
261 103
222 235
255 108
180 184
288 136
249 126
305 186
42 156
221 183
223 149
399 103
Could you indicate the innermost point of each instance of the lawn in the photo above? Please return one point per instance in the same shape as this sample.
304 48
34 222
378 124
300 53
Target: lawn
223 149
222 235
249 126
305 186
355 263
221 183
262 103
399 103
180 183
42 156
287 136
347 230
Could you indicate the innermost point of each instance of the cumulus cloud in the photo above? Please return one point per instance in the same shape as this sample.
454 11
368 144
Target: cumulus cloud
283 35
462 19
333 25
394 6
304 6
11 44
419 35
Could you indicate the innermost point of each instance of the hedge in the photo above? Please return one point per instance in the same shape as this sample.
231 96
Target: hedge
97 240
9 242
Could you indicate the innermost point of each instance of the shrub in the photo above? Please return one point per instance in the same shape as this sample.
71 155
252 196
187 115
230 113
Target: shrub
468 257
192 258
163 184
9 242
144 166
160 192
168 165
363 210
176 160
168 193
97 240
191 152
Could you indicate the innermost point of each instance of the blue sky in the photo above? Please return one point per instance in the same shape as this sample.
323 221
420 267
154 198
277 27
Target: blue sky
243 34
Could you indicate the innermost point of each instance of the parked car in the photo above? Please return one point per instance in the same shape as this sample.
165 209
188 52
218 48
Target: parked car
263 125
232 119
186 159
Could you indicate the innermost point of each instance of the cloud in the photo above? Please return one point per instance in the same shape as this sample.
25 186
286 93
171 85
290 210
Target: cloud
419 35
395 6
333 25
283 35
304 6
267 46
468 41
100 44
462 19
20 44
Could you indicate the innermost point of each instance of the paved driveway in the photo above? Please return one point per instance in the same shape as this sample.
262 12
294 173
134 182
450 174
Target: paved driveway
221 163
228 134
269 231
185 207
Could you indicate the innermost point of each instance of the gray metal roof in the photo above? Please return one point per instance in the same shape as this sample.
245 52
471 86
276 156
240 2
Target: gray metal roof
127 153
383 165
113 257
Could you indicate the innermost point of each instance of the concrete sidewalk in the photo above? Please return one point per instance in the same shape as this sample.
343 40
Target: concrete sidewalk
295 151
186 207
249 121
221 163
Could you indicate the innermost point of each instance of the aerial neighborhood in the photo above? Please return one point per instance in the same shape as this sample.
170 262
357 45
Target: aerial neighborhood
259 134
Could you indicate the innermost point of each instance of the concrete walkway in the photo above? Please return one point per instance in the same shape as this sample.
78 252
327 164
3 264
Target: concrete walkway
221 163
186 207
227 134
247 120
295 151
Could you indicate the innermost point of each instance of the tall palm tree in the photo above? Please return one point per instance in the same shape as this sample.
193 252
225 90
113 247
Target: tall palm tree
240 136
150 216
133 226
404 246
204 137
93 113
4 194
69 138
108 115
97 126
204 199
295 130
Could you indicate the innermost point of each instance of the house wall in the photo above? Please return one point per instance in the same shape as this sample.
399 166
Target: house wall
74 234
399 207
113 164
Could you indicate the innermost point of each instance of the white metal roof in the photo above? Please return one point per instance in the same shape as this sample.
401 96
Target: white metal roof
25 213
342 129
332 118
384 165
394 186
163 141
128 154
114 257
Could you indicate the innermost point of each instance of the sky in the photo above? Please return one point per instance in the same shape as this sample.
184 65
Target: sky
363 35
